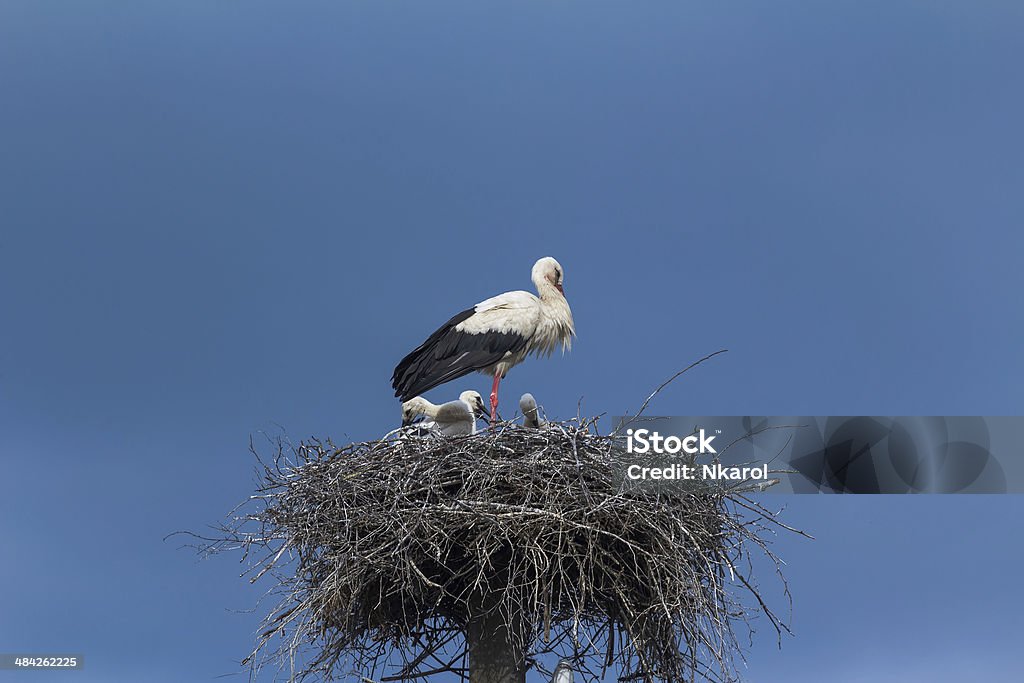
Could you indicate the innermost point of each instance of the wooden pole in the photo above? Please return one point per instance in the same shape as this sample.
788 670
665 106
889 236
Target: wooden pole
493 658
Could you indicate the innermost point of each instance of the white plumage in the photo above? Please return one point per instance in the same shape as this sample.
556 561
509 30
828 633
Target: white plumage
451 419
531 413
492 337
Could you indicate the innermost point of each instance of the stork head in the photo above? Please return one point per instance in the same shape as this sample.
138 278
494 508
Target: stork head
414 408
475 401
528 407
548 271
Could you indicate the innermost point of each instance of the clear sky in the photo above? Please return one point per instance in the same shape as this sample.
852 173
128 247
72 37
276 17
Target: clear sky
221 218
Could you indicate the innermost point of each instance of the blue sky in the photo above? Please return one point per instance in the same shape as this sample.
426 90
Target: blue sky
226 218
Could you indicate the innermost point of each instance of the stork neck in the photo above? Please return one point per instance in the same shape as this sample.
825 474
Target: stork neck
547 292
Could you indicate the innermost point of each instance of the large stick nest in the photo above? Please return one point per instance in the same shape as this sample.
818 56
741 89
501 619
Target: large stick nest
382 552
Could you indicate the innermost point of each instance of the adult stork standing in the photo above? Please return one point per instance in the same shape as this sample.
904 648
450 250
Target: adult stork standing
492 337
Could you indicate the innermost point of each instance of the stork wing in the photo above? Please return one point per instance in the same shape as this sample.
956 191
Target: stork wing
472 340
515 312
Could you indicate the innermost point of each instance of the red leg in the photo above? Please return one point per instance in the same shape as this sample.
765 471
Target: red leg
494 396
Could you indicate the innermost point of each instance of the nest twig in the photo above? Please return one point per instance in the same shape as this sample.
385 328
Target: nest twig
383 552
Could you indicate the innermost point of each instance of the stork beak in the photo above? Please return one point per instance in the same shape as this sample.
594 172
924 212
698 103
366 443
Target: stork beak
406 422
560 290
483 413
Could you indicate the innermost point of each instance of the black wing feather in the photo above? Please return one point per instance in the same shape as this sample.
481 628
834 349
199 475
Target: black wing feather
448 354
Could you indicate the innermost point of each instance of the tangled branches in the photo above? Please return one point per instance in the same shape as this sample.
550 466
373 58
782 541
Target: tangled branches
394 558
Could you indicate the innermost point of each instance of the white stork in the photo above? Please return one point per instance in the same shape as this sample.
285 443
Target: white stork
531 415
451 419
492 337
563 672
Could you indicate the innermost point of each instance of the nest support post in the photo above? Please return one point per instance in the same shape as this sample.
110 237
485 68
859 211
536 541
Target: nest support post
495 645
